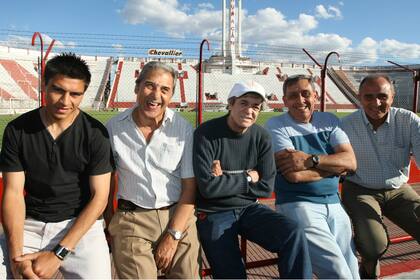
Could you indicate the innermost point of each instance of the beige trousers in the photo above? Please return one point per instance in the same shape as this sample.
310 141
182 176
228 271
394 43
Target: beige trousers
135 235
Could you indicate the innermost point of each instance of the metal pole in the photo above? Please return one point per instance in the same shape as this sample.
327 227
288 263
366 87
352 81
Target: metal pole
311 57
416 78
323 76
41 93
43 59
39 82
199 119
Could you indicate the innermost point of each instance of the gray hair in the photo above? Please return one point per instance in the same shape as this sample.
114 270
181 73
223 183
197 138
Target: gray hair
373 77
154 66
296 78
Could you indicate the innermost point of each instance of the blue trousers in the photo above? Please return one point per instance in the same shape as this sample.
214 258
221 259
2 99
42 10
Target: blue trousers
329 235
258 223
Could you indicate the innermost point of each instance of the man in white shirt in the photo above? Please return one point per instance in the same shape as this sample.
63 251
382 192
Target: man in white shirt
383 137
154 227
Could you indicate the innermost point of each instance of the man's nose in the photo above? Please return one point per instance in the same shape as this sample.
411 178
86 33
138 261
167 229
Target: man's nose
156 92
301 99
65 99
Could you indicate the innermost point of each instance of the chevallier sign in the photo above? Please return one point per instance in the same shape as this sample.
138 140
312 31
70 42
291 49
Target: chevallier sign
164 52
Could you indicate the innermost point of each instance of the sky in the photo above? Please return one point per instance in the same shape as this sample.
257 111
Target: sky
364 32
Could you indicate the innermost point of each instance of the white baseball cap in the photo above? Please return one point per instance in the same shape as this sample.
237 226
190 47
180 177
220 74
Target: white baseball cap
245 87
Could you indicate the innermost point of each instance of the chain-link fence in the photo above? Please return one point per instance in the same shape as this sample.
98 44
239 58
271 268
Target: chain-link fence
113 80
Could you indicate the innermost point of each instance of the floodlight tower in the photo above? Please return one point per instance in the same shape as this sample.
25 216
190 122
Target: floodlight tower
231 39
239 25
232 31
224 28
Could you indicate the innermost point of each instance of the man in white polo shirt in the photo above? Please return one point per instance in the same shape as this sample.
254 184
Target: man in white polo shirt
154 227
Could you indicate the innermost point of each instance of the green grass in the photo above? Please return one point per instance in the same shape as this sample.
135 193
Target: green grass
190 116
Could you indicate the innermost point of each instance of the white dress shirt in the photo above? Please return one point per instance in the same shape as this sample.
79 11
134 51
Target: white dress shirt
383 156
149 174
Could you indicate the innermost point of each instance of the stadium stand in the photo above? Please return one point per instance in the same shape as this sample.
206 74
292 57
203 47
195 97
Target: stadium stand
216 85
19 80
125 74
403 83
19 83
97 68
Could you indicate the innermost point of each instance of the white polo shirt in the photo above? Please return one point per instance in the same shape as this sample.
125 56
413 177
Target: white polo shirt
149 174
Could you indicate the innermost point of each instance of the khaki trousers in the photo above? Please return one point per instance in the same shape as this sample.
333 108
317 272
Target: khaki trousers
366 208
135 235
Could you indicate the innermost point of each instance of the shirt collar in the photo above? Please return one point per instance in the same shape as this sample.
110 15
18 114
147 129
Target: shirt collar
367 122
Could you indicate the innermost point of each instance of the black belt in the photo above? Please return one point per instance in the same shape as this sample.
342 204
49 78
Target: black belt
126 205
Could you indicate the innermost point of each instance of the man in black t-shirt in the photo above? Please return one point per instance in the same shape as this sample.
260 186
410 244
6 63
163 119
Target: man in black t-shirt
234 166
60 158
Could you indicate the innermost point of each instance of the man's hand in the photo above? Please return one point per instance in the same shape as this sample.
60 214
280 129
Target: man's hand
216 168
22 270
44 264
254 175
165 252
292 161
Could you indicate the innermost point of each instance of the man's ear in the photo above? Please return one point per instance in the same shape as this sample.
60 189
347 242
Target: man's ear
231 101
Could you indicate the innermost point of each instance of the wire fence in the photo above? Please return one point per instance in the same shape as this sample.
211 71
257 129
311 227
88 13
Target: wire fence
113 79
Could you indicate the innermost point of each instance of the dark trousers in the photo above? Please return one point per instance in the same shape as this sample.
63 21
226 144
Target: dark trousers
258 223
366 208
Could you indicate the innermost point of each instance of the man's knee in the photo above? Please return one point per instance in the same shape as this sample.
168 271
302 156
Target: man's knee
373 245
290 231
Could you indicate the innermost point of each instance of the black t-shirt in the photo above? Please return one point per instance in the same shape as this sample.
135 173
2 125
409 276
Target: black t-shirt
56 171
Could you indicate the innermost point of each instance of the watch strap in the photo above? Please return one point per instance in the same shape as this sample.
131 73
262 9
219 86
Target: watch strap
61 252
315 160
177 235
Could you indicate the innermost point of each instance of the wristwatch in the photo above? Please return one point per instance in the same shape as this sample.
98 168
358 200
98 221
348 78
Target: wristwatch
248 178
315 160
177 235
61 252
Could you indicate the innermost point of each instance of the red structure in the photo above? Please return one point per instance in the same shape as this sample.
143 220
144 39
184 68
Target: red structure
43 59
199 119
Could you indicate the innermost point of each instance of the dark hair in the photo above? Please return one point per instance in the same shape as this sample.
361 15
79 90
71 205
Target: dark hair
69 65
373 77
296 78
157 65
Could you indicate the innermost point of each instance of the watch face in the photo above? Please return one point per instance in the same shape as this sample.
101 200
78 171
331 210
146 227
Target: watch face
315 159
61 252
177 235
